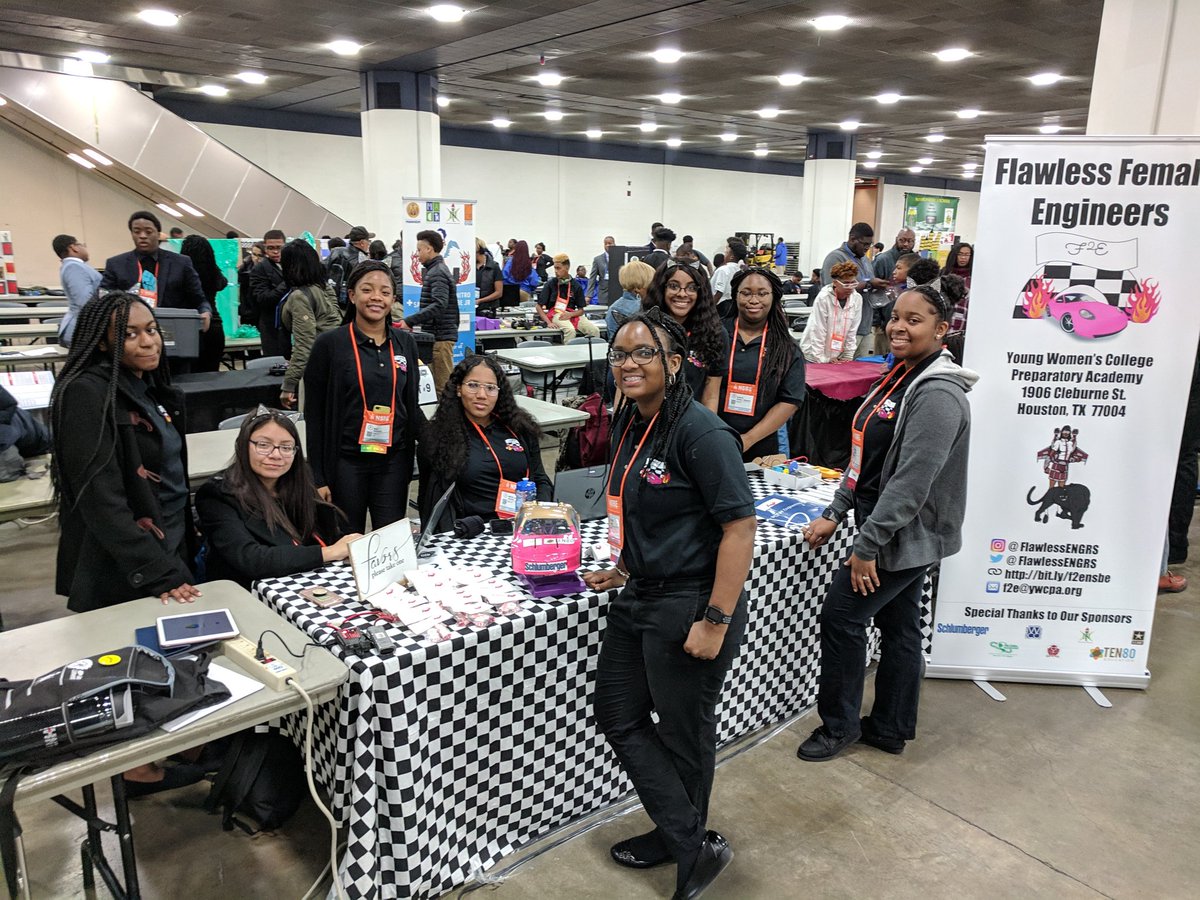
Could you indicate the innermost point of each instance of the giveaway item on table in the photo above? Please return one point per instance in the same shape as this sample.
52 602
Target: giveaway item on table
787 512
547 549
465 603
794 474
501 596
380 558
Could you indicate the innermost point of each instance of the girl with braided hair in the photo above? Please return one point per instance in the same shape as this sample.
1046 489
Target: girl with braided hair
685 294
681 528
480 441
906 483
120 463
763 384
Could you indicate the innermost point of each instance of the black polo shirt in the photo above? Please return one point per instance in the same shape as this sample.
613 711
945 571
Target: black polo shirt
674 513
554 289
377 364
770 390
486 277
478 481
698 371
879 428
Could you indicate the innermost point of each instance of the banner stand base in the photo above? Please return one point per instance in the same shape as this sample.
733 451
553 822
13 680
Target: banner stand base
1082 679
1098 696
987 688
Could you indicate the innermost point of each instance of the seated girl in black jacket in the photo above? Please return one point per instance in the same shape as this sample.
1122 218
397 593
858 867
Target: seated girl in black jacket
261 517
480 441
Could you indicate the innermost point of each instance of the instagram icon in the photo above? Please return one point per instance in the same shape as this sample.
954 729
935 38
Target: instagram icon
998 545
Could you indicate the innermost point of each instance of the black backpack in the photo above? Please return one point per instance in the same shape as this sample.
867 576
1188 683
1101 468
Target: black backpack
262 777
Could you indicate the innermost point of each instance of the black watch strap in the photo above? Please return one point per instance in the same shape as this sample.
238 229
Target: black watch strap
716 616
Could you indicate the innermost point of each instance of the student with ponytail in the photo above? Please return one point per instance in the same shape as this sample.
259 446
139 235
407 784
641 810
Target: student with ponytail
120 463
681 529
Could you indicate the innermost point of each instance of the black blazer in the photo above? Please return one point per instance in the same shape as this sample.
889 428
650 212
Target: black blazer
267 286
242 548
108 552
178 284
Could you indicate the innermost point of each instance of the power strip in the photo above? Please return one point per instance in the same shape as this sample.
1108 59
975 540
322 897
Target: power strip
272 672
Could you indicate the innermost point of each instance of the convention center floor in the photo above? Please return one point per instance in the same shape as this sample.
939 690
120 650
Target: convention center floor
1045 795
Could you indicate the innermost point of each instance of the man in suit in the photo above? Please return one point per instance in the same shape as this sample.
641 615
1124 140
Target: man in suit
268 288
598 277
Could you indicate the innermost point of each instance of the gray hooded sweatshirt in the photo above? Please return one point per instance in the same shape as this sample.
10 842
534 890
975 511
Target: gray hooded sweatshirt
923 488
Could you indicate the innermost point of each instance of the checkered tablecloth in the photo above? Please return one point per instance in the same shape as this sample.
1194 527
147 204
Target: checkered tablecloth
444 758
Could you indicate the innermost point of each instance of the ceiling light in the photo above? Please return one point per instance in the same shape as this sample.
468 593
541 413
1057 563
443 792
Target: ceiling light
968 113
444 12
443 101
3 102
671 97
768 112
251 77
887 98
667 55
916 169
936 138
849 125
648 127
829 23
501 122
553 115
169 210
971 165
97 156
594 133
548 79
969 174
1050 129
761 151
875 154
790 79
729 136
77 67
159 17
344 48
188 208
1041 79
925 160
953 54
86 163
870 164
92 56
674 142
214 90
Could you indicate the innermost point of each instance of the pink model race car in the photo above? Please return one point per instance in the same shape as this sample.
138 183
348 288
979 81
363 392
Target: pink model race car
546 540
1080 313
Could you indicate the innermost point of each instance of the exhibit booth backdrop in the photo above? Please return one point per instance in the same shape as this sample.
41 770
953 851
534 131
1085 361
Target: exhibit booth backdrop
455 221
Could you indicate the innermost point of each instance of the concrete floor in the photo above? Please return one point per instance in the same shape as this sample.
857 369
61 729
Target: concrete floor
1046 795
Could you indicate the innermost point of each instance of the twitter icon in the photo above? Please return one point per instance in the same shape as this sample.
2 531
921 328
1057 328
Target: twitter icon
996 557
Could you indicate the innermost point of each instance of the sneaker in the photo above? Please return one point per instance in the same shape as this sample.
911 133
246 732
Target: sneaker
1171 583
887 745
821 745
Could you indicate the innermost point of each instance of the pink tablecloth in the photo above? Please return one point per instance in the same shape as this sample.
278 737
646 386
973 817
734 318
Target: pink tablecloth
842 381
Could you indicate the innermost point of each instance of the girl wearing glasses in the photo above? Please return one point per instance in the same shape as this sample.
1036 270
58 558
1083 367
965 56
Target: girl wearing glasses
483 443
684 293
681 529
360 405
831 334
763 384
262 517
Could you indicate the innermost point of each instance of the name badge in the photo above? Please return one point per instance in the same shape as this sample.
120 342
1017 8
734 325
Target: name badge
837 342
856 454
616 527
506 499
376 433
741 398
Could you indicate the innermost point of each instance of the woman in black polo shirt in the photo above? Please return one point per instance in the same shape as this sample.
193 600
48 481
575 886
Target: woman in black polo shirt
360 407
763 384
480 441
681 525
685 294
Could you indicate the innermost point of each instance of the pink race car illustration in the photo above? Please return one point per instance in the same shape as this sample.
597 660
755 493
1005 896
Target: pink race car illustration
546 540
1080 313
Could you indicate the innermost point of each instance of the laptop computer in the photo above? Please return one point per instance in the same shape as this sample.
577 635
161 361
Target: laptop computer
583 489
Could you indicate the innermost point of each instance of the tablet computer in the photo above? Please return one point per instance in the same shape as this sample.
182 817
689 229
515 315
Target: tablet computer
196 628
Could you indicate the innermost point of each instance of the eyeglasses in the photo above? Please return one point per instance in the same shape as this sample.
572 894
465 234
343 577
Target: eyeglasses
476 387
266 448
641 355
846 284
689 288
747 295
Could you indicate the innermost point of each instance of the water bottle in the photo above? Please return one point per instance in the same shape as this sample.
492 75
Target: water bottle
526 492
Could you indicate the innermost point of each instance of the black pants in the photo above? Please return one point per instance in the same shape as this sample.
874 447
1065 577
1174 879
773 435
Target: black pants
274 341
371 481
643 668
896 607
212 346
1183 495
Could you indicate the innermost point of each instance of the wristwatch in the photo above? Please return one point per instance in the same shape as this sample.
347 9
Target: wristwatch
716 616
831 516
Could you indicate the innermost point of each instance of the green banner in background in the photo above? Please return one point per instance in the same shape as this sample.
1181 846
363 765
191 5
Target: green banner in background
229 256
926 212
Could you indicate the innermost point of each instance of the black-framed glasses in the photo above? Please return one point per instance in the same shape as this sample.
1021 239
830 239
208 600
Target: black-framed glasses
641 355
266 448
690 288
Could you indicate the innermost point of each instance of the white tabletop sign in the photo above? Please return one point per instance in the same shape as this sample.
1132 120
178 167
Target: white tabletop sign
427 392
381 557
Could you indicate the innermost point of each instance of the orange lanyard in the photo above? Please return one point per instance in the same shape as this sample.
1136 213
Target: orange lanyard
358 364
904 374
488 444
632 459
761 349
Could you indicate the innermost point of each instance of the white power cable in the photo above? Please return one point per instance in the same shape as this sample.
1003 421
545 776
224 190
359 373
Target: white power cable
312 788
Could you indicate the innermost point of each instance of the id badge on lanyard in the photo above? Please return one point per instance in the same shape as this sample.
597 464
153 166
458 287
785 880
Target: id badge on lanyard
147 286
616 527
506 491
740 398
375 436
560 304
837 341
858 435
856 452
614 504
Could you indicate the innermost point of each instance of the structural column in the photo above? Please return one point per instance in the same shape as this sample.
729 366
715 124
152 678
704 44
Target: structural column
1147 69
402 146
827 196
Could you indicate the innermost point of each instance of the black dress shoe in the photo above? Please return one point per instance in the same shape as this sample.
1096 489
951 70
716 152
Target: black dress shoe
715 855
871 739
821 745
646 851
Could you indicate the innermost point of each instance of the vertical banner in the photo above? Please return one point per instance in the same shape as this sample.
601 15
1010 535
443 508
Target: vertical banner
454 220
8 266
934 221
1083 331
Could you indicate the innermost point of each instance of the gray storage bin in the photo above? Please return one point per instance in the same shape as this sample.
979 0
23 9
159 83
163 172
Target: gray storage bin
181 332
